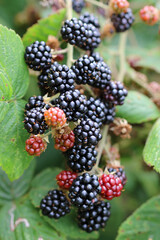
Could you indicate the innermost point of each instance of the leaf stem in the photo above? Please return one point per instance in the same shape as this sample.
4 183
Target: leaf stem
69 46
122 58
98 4
47 134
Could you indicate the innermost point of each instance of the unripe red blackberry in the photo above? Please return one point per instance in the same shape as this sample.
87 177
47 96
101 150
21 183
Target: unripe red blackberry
78 5
55 117
123 21
88 71
119 6
65 179
96 218
55 204
73 103
83 35
84 190
149 14
90 19
87 133
115 93
118 172
64 141
35 145
38 55
111 186
81 158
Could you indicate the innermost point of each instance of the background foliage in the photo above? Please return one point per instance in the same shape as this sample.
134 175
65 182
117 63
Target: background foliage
22 196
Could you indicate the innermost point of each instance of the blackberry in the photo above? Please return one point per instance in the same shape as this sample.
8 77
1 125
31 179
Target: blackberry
34 121
84 190
35 101
92 73
78 5
97 57
87 133
96 218
73 103
83 35
81 158
58 78
119 172
123 21
115 93
109 113
43 82
96 110
89 18
55 204
38 55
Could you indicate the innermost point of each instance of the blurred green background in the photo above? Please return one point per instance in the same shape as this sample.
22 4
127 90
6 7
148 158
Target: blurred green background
143 182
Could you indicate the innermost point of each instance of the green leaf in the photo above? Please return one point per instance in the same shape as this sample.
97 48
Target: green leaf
151 151
13 157
67 225
14 76
45 27
34 226
12 190
143 224
138 108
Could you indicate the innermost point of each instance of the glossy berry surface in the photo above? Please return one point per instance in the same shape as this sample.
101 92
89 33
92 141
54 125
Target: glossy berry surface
90 19
119 6
55 117
120 173
83 35
149 14
96 218
55 204
110 113
84 190
35 101
78 5
35 145
111 186
38 55
73 103
81 158
65 141
65 179
123 21
115 93
87 133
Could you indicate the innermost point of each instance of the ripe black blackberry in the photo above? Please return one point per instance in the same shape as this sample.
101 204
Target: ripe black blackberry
115 93
123 21
97 57
38 55
109 113
73 103
92 73
96 218
119 172
55 204
83 35
58 78
43 82
34 121
89 18
87 133
78 5
96 110
35 101
81 158
84 190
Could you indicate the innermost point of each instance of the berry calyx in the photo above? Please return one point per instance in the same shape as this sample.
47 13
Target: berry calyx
65 141
65 179
149 14
111 186
35 145
55 204
55 117
119 6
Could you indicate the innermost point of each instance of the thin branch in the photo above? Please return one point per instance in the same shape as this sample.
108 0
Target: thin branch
122 58
53 52
98 4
